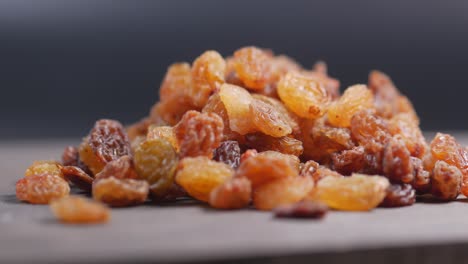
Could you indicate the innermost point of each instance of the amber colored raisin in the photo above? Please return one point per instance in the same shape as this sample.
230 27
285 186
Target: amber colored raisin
399 195
207 76
41 189
252 66
403 125
268 120
232 194
370 131
446 181
354 99
262 142
176 82
286 115
302 95
79 210
199 134
308 169
260 169
422 179
281 65
155 161
320 71
78 177
357 192
348 161
121 168
397 164
70 156
44 167
200 175
216 106
230 75
228 152
293 160
165 132
322 172
120 192
247 154
302 209
281 191
237 102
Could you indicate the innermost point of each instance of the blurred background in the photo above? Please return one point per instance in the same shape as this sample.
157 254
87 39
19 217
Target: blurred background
64 64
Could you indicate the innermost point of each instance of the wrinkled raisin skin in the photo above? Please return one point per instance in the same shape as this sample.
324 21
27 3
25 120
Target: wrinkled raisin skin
228 152
121 168
79 210
446 181
233 194
78 177
399 195
285 145
41 189
120 192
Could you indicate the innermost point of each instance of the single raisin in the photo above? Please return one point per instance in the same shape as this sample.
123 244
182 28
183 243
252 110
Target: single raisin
232 194
120 192
268 120
262 142
403 125
252 66
78 177
397 164
399 195
121 168
228 152
44 167
302 209
422 181
41 189
446 181
165 132
79 210
349 161
207 76
322 172
237 102
216 106
370 131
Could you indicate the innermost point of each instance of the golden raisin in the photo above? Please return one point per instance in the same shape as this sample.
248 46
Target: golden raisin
268 120
207 76
355 193
446 181
44 168
252 66
286 115
237 102
121 168
216 106
120 192
79 210
370 131
304 96
165 132
403 125
282 191
200 175
41 189
232 194
199 134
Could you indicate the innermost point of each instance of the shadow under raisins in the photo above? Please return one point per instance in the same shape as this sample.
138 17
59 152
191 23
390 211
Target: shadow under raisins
462 200
180 202
10 199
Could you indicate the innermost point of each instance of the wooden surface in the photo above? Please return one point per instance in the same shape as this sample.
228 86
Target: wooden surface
188 231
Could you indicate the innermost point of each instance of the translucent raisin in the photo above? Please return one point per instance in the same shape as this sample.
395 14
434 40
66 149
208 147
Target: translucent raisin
404 126
303 95
121 168
79 210
281 191
302 209
399 195
216 106
322 172
252 66
262 142
268 120
237 102
349 161
355 193
107 141
293 160
281 65
446 181
207 76
156 161
286 115
200 175
370 131
228 152
199 134
308 169
165 132
44 167
320 71
354 99
41 189
233 194
120 192
261 168
78 177
397 164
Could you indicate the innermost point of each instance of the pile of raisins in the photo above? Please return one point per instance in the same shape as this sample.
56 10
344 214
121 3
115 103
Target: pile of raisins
257 130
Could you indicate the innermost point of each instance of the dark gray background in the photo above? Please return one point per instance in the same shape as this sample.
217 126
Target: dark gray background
64 64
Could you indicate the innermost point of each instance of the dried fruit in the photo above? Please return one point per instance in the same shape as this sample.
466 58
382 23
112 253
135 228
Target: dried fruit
200 175
260 169
237 102
120 192
281 191
79 210
285 114
165 132
199 134
399 195
207 76
322 172
304 96
354 99
252 66
422 179
355 193
349 161
232 194
407 128
228 152
370 131
107 141
216 106
302 209
70 156
77 177
446 181
285 145
247 154
122 168
44 167
155 161
308 169
397 164
268 120
41 189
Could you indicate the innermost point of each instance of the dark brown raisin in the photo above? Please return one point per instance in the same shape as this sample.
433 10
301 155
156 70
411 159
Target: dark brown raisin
229 153
399 195
78 177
